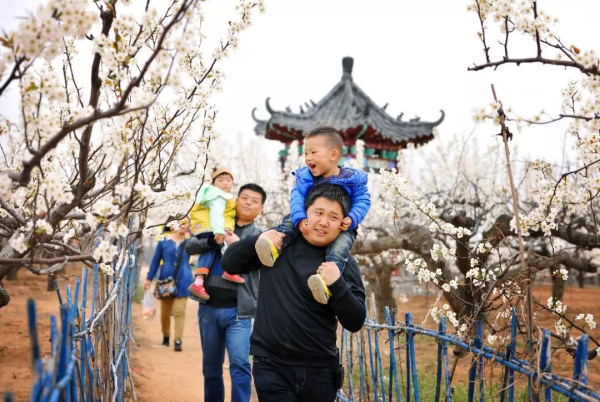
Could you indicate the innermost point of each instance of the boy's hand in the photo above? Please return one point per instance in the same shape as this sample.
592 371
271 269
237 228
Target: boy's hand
329 271
147 284
219 238
303 226
346 223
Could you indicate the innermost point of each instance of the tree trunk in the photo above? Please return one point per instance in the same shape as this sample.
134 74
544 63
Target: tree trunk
12 275
50 285
4 296
581 279
380 284
558 286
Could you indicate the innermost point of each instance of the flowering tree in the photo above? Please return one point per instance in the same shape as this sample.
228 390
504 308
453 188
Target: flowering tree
456 220
503 227
102 142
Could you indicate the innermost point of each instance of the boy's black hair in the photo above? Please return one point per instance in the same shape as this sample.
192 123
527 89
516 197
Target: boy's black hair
332 136
256 188
333 192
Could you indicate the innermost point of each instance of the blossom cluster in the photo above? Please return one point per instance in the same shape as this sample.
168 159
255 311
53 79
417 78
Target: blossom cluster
445 311
154 56
589 320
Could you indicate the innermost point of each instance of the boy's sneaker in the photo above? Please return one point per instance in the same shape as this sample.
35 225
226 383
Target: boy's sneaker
165 341
177 345
199 291
233 278
267 252
319 289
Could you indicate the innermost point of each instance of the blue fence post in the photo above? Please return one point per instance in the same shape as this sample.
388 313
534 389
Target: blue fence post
82 344
63 351
393 371
438 381
508 382
473 369
442 364
378 354
545 363
446 363
373 368
413 362
360 365
60 300
580 370
479 345
349 365
8 397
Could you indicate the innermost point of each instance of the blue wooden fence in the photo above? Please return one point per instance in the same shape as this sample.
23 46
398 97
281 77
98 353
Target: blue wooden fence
89 357
369 379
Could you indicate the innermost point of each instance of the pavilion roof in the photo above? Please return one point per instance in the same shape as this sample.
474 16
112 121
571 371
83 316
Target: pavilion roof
349 110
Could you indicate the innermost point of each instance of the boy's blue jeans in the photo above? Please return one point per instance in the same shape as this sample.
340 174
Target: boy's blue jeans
338 251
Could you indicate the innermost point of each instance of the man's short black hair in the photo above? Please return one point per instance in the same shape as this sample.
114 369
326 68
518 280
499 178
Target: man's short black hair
333 137
333 192
256 188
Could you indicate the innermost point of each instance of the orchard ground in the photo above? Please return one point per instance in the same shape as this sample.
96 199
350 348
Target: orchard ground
162 374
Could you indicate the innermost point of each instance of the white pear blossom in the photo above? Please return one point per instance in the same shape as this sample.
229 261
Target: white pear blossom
123 230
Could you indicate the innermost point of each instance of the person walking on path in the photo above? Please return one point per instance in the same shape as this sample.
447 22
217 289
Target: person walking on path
226 318
168 262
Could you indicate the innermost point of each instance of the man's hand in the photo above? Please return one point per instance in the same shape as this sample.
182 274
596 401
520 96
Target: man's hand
147 284
230 237
346 223
219 238
274 236
330 272
303 226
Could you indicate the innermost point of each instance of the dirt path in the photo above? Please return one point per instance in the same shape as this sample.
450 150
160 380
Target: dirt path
160 373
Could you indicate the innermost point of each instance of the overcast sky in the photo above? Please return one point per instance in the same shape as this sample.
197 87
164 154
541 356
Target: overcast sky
412 54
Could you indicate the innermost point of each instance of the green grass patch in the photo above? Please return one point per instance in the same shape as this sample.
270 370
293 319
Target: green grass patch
427 380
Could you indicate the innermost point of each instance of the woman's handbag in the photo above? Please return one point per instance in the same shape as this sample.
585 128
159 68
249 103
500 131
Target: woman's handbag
167 288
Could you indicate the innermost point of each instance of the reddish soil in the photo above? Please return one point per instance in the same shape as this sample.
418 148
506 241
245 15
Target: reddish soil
161 374
15 348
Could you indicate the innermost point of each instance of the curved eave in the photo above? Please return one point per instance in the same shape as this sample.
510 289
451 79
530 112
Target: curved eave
335 109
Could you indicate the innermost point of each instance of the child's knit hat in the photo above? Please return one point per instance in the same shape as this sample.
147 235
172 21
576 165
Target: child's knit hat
219 170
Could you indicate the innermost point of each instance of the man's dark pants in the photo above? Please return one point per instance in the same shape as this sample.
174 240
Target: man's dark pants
275 382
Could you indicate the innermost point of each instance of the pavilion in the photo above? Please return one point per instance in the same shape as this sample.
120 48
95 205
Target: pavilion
349 110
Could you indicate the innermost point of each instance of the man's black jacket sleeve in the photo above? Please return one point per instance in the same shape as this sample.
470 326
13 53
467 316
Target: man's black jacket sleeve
241 257
348 298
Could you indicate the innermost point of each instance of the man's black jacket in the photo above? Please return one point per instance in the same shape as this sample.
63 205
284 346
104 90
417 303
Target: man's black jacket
291 326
